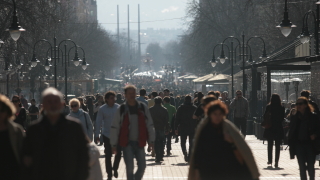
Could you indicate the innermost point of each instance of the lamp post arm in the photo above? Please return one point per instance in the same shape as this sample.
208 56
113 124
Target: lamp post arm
84 54
213 57
227 48
231 37
264 44
41 40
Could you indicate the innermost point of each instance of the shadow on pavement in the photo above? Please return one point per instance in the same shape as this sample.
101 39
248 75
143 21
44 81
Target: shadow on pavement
273 169
180 164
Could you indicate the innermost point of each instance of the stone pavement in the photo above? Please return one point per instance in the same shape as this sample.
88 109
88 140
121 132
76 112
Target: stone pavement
174 167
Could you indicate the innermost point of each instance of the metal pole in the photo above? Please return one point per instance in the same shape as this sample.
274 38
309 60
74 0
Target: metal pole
8 84
139 36
232 81
55 61
18 84
129 33
118 27
243 64
65 74
317 30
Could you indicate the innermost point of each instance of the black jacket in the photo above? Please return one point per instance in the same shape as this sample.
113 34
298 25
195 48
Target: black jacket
160 118
313 129
276 132
185 123
57 152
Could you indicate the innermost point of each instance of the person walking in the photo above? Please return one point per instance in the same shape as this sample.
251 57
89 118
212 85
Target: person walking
119 99
11 139
131 128
171 113
83 116
220 151
105 117
160 119
275 133
142 98
151 100
33 110
21 113
166 92
90 106
83 106
303 135
240 108
24 102
185 125
96 108
55 147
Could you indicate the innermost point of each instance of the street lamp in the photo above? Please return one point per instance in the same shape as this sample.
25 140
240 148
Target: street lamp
47 65
286 26
84 64
15 29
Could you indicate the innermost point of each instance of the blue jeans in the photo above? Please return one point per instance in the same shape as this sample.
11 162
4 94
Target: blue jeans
129 153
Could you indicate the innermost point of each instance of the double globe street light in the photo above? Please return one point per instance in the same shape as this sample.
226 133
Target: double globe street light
232 54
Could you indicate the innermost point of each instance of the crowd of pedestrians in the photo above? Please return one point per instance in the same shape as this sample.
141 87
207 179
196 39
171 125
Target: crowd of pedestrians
60 142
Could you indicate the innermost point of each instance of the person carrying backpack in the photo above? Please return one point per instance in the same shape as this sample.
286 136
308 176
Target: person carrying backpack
131 128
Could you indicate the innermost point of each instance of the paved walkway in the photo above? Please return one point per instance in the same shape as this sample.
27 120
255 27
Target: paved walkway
174 167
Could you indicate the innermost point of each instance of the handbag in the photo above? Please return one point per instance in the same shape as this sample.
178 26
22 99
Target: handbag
267 123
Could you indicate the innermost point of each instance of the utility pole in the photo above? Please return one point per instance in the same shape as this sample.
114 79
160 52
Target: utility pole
118 27
139 35
128 33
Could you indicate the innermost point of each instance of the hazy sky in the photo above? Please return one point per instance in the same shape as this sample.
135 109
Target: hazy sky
150 10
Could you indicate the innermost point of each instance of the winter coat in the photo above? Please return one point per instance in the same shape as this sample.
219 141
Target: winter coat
313 129
276 131
185 124
241 145
85 122
16 135
57 151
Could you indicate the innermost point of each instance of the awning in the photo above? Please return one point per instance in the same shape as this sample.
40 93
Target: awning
210 78
109 81
188 77
203 78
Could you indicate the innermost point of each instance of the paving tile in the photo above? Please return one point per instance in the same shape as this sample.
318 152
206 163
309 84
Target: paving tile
175 168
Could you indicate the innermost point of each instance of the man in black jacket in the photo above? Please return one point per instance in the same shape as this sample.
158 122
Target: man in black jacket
185 125
55 146
160 119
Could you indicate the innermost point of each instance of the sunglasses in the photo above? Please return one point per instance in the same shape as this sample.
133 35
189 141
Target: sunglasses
73 106
15 101
239 94
299 104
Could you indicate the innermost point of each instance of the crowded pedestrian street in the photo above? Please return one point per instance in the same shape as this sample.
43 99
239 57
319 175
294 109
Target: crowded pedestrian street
159 89
175 168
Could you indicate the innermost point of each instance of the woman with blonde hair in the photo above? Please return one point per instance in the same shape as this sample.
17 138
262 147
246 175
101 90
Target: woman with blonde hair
11 138
220 151
83 116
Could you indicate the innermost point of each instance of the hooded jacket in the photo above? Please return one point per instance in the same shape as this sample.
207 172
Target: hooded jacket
85 122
